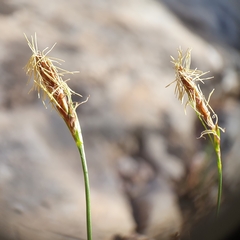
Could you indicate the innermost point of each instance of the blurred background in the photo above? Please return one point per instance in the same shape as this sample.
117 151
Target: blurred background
151 178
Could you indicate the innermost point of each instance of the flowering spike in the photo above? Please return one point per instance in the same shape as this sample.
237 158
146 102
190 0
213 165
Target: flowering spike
186 80
49 83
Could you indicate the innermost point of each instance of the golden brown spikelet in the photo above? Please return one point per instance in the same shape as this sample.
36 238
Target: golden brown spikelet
186 82
49 83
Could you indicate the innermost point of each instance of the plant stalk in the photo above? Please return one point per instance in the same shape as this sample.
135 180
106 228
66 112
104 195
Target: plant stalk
79 142
219 166
217 147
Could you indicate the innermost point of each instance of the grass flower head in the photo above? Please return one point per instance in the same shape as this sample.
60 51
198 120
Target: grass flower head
48 81
187 84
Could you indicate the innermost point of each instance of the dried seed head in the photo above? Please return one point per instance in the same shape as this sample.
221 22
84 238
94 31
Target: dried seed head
49 83
186 82
47 77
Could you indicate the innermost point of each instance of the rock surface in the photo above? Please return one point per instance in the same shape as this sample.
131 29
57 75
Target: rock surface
145 163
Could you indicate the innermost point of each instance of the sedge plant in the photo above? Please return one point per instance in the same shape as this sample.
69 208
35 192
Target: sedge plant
187 83
48 81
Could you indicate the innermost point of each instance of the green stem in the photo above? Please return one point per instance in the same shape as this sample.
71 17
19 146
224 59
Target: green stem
79 142
216 143
219 166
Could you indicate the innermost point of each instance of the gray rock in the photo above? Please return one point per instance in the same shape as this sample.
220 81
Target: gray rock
138 140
